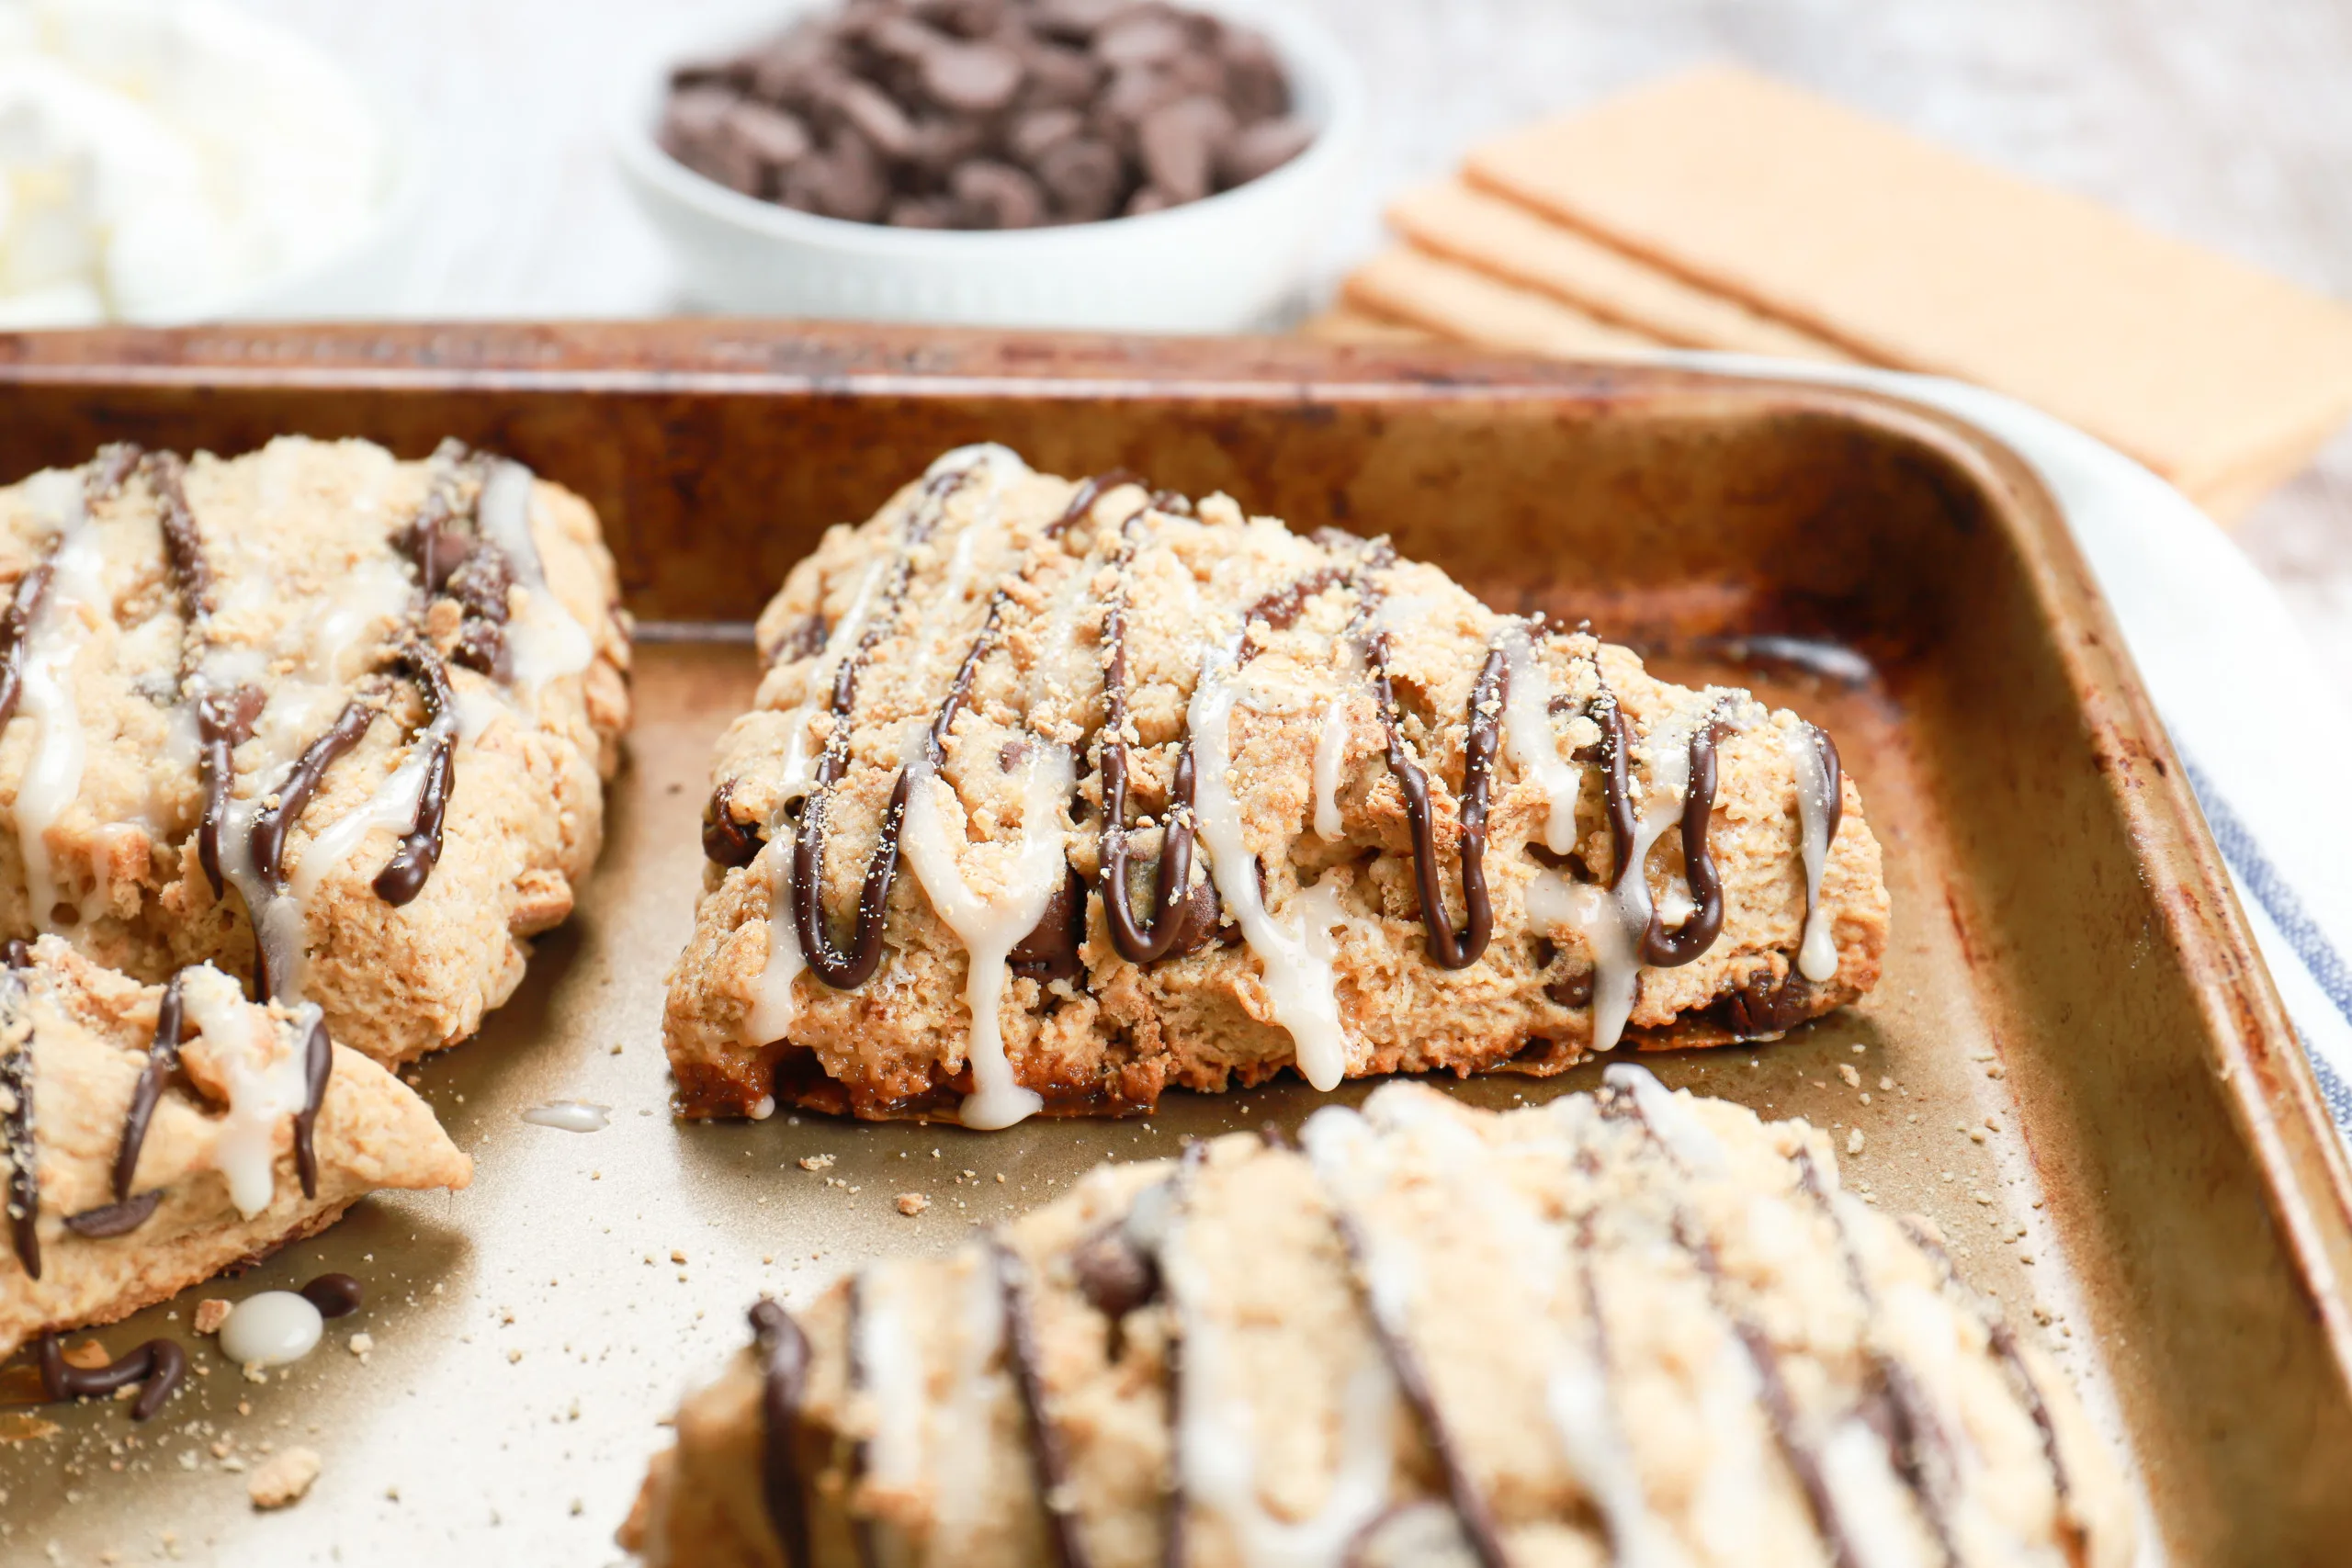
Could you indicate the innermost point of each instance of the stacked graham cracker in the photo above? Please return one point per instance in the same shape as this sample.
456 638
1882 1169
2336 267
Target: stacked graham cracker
1718 209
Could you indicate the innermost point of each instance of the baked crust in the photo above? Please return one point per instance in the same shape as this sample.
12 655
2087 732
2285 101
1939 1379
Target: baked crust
186 633
983 627
1634 1325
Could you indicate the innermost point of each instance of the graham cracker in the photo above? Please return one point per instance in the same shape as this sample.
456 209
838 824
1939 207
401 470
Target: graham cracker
1906 253
1522 245
1350 324
1456 301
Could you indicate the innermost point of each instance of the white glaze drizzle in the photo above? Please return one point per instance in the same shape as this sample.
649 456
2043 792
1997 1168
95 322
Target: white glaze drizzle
270 1329
991 927
76 599
260 1065
1215 1444
1530 741
1555 901
1330 758
543 641
773 1001
1355 1165
1817 955
892 1360
1296 953
569 1115
1669 1117
1875 1510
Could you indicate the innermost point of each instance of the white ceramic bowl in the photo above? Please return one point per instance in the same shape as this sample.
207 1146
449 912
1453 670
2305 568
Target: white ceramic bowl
1228 263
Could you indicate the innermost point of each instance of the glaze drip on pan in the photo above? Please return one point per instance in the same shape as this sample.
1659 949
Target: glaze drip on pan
1193 799
1633 1327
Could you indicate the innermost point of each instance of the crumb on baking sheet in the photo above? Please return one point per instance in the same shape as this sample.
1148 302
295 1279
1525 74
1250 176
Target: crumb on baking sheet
912 1203
211 1313
816 1162
283 1479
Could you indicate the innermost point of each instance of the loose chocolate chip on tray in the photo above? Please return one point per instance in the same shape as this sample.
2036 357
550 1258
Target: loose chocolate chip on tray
987 114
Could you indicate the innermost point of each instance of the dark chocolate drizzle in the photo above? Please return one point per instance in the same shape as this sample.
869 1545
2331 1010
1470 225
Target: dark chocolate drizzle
15 627
847 969
862 1535
1779 1405
318 1065
301 782
783 1352
1448 948
1667 949
335 1295
454 561
16 1127
160 1364
2005 1344
183 542
114 1219
1616 791
1477 1520
1834 792
1920 1449
114 464
404 874
163 1059
224 721
1046 1451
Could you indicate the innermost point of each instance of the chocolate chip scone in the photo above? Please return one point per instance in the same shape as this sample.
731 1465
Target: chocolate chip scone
152 1135
1633 1327
359 706
1183 797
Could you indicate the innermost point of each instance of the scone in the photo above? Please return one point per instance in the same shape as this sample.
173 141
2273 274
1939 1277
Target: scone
1632 1327
1057 794
359 706
152 1135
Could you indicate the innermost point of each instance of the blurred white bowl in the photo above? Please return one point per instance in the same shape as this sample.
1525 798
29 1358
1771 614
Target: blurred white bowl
1227 263
140 87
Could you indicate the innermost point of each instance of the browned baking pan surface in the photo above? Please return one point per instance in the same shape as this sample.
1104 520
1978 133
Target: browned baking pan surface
2075 1064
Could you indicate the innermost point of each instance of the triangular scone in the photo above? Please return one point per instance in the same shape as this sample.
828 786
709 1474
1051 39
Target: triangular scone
359 703
1400 829
1633 1328
220 1171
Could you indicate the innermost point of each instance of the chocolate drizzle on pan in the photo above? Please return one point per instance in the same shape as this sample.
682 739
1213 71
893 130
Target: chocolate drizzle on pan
782 1351
160 1364
16 1127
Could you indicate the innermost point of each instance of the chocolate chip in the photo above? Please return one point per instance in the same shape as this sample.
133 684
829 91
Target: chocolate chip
876 117
1115 1276
1082 176
1077 20
996 195
985 113
1261 150
1181 144
1038 130
977 78
1050 950
1060 78
1144 37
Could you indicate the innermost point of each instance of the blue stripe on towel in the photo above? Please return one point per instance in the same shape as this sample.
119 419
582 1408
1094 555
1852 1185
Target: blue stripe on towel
2327 966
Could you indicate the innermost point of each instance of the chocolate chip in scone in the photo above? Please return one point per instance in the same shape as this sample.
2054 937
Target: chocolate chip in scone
1114 1275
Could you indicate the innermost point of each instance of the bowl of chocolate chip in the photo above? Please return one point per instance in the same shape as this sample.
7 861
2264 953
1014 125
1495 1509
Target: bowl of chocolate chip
1087 164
